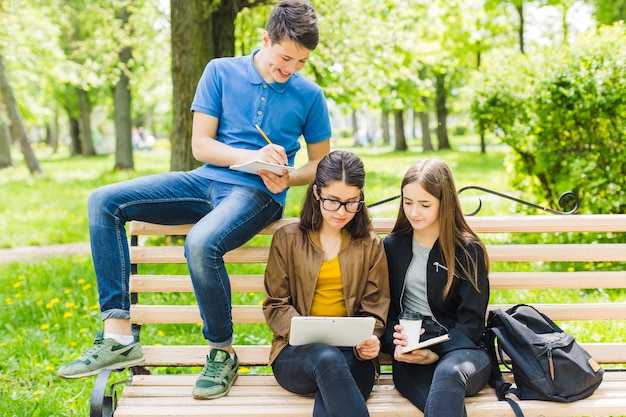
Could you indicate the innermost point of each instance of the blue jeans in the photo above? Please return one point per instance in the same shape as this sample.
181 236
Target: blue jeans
226 216
340 381
439 389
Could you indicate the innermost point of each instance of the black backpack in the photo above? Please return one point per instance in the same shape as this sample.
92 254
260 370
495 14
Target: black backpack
547 363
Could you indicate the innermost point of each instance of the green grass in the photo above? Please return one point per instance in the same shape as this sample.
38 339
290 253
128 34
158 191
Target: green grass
48 308
52 209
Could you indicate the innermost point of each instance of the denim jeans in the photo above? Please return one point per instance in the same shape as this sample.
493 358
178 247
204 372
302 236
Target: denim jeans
225 216
340 381
439 389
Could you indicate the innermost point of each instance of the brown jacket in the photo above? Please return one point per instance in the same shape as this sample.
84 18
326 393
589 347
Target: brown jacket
291 277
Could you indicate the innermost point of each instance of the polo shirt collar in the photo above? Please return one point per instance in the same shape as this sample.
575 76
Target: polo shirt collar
255 77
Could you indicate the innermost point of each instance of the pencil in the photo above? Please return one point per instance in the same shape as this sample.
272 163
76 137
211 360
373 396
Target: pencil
263 134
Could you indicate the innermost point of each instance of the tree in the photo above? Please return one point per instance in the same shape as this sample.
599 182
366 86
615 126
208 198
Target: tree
199 34
562 114
5 147
17 125
122 105
609 11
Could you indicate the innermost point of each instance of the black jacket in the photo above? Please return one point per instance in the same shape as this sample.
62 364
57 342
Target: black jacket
462 312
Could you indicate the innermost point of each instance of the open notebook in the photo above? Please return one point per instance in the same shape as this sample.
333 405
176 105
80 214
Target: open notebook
335 331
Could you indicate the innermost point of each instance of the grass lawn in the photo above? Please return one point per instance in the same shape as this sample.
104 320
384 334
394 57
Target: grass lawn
48 308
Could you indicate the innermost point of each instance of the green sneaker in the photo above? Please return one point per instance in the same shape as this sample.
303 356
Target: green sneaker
104 354
217 376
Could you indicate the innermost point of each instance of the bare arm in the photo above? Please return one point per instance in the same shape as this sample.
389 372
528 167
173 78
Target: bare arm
207 149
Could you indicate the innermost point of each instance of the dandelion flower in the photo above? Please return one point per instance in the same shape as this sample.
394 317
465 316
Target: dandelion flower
9 301
67 315
67 291
44 326
17 285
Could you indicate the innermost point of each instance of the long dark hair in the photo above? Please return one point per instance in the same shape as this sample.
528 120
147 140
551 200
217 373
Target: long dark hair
336 166
454 233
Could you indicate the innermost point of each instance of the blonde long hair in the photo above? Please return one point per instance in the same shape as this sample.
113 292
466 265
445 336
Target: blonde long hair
436 178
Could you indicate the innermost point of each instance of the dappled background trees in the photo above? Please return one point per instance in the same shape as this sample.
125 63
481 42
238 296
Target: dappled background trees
543 78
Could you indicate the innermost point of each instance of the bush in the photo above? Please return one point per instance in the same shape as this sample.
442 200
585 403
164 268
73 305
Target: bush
564 115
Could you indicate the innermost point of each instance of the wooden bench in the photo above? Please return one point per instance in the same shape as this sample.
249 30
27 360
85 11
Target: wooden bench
518 269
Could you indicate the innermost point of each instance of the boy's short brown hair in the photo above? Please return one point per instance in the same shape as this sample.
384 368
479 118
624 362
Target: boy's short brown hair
294 20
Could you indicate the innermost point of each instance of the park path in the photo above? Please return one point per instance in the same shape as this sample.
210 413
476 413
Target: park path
37 252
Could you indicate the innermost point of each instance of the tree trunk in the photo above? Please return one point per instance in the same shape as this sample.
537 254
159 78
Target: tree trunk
122 109
398 123
198 35
85 121
5 148
54 131
427 144
520 12
483 143
385 128
76 143
442 112
17 126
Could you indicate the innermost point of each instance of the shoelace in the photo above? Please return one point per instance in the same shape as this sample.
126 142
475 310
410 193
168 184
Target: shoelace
90 352
214 369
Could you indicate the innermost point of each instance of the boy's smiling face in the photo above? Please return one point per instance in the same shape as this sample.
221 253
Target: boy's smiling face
278 61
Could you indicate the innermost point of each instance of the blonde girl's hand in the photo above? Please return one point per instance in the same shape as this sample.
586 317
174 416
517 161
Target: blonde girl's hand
368 349
417 356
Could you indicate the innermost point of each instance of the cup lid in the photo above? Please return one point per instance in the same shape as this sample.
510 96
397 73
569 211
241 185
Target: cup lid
410 315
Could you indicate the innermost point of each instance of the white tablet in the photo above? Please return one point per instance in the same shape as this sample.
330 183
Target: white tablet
335 331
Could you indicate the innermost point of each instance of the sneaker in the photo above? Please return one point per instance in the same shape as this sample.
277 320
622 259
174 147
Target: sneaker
104 354
217 376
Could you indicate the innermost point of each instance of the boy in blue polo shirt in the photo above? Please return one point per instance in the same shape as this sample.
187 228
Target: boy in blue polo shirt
236 99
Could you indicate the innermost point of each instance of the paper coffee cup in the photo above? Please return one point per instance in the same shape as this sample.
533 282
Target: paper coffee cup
411 323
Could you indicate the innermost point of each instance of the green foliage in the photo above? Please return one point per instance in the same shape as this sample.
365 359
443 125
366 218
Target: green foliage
564 115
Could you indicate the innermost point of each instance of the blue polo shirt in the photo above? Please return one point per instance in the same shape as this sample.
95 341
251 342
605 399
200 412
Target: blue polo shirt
232 90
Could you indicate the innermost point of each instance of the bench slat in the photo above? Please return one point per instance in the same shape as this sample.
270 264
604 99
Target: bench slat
492 224
171 314
182 283
497 253
497 281
253 314
612 252
257 355
176 255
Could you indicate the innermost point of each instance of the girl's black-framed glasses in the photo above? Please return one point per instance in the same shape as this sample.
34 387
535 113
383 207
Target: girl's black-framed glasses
334 205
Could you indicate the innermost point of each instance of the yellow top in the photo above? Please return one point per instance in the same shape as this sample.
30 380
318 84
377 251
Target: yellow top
329 299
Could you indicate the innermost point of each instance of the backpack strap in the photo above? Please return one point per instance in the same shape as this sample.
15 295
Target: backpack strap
496 380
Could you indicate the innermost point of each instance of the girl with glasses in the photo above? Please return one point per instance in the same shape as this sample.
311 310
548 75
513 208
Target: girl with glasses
331 263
